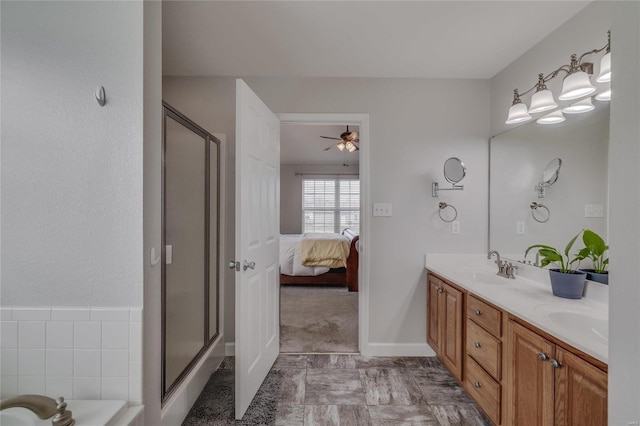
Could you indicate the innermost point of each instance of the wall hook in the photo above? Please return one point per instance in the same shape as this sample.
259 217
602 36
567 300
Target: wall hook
101 97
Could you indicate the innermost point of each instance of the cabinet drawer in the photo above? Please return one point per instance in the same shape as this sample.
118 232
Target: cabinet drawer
485 349
483 389
486 315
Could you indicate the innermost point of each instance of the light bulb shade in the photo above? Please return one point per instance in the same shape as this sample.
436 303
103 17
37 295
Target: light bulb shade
552 118
576 85
605 69
341 146
579 107
352 148
604 96
518 114
542 101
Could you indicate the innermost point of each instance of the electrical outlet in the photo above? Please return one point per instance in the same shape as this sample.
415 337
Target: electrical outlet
455 227
520 227
381 209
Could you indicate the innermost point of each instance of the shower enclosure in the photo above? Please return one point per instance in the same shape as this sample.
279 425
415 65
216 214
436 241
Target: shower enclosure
190 266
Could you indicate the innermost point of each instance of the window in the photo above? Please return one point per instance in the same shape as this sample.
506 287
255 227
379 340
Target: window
330 205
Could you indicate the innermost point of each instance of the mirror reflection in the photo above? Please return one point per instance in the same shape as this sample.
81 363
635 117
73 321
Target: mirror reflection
523 211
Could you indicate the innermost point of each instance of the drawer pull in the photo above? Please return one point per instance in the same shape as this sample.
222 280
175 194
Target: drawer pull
477 345
478 312
543 356
555 364
477 385
440 290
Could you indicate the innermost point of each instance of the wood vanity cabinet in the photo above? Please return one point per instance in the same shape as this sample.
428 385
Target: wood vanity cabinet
549 385
445 323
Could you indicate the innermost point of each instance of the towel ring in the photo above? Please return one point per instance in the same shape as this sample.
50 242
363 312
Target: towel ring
443 206
535 207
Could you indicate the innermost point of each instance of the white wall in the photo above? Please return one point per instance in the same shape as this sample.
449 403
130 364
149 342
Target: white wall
584 32
71 170
415 125
291 191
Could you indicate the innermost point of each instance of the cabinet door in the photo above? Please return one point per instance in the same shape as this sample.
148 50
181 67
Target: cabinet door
530 390
451 317
433 312
581 392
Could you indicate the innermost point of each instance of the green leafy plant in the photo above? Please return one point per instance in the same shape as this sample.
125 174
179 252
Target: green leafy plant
567 263
595 249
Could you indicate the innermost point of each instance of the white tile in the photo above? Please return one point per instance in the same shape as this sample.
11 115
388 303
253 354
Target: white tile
70 314
135 341
135 315
8 387
31 335
135 382
9 362
115 388
59 363
86 388
59 386
59 335
115 363
9 334
110 314
31 362
6 314
86 363
87 335
115 335
31 314
31 385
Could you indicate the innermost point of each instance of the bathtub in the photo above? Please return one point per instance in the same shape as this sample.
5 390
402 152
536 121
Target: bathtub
85 413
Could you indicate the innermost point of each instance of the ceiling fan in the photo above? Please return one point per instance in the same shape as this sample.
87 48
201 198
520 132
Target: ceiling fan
348 140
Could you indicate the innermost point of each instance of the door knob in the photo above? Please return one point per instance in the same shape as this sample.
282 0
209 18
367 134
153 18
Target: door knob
234 265
248 265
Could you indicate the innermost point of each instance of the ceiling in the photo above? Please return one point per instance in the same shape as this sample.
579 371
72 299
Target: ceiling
421 39
302 144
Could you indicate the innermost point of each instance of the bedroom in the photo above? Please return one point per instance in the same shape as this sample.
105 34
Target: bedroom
319 197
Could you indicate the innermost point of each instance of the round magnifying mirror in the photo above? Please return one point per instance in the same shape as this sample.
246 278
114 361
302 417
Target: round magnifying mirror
551 172
454 170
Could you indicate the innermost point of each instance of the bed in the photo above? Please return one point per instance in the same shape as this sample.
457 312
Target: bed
294 252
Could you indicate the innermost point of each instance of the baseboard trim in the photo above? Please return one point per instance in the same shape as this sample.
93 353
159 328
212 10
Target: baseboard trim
398 349
230 349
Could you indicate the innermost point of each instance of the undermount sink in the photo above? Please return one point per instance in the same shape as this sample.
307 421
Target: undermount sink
486 278
578 321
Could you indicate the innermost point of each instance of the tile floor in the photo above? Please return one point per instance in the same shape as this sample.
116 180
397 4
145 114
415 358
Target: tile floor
352 390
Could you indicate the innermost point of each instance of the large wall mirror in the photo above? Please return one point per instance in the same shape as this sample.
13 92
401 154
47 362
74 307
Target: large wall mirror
547 182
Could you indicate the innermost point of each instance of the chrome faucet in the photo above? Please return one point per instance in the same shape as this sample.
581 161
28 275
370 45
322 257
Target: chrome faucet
505 269
43 407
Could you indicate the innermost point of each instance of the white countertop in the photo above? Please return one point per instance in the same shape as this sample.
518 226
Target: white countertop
582 323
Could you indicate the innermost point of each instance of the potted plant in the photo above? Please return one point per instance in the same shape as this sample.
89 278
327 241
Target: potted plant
566 281
595 249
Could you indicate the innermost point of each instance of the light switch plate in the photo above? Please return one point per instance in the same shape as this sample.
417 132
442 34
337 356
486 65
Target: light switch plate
381 209
594 210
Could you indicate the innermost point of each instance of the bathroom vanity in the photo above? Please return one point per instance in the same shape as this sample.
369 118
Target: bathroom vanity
525 356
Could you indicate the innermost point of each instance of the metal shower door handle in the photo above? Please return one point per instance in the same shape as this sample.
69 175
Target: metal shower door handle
248 265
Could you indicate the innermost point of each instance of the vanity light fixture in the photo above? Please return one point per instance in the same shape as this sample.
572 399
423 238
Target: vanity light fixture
579 107
576 84
604 96
552 118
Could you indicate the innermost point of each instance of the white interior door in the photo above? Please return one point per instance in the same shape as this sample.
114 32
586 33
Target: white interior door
257 243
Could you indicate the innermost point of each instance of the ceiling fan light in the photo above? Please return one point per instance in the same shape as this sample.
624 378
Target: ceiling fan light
576 85
542 101
579 107
605 69
518 114
341 146
350 146
554 117
604 96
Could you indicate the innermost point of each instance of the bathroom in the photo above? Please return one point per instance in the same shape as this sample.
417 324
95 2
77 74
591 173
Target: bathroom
89 249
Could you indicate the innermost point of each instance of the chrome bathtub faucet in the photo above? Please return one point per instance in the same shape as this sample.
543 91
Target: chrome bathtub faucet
43 407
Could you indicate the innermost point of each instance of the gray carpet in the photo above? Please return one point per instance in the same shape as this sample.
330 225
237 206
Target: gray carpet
318 319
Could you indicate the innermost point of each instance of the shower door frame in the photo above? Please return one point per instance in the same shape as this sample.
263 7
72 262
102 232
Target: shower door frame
171 112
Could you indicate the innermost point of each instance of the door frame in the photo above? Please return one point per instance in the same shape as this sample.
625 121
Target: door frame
361 120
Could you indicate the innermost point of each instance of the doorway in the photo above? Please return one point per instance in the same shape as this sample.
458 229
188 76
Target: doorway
322 191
